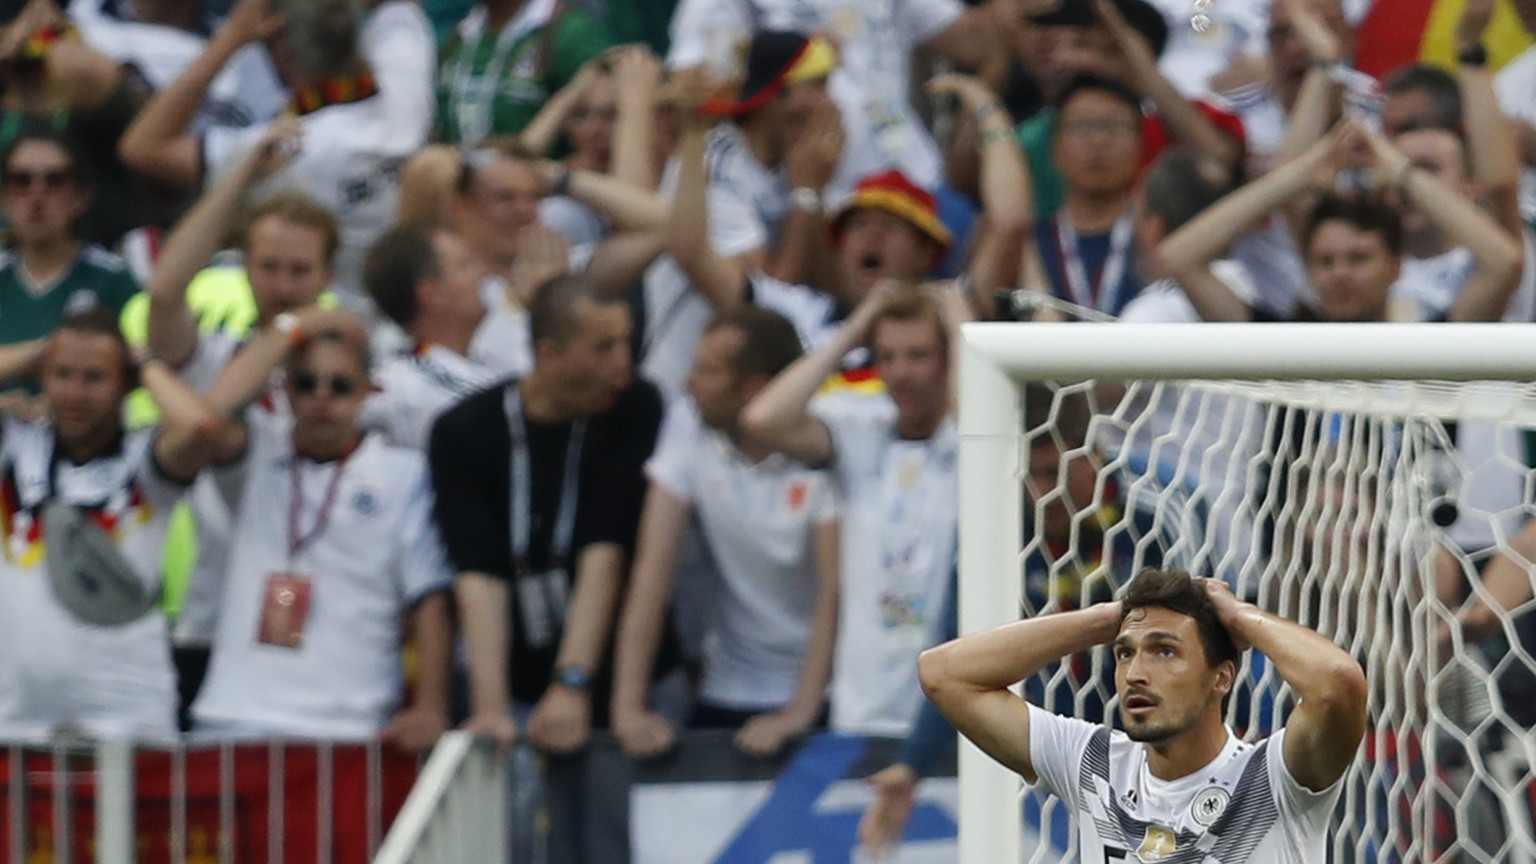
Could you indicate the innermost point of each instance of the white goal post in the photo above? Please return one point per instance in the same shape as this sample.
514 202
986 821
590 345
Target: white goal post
997 360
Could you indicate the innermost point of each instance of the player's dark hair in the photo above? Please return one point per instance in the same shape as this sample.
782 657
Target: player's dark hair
1177 591
1369 213
398 262
769 341
554 312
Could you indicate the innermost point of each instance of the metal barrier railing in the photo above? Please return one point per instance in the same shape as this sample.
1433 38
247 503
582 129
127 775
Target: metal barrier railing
458 809
270 802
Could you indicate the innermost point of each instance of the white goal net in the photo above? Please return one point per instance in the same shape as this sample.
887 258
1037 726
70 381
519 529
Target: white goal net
1375 483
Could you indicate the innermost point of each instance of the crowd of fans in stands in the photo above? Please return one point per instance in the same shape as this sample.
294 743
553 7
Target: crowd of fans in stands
600 352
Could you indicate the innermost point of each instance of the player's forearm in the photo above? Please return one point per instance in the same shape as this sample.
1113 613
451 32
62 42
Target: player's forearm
1319 671
1208 235
629 208
21 358
248 374
783 406
483 617
1187 124
1311 114
717 279
633 159
540 133
997 659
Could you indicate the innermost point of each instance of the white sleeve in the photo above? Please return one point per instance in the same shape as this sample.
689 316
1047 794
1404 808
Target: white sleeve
1515 86
671 465
1056 747
809 311
925 19
734 226
858 446
399 46
823 508
703 28
1299 806
423 567
225 146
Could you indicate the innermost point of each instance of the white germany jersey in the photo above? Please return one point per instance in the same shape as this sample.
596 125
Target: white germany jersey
55 669
1242 808
760 522
900 507
378 554
413 389
353 151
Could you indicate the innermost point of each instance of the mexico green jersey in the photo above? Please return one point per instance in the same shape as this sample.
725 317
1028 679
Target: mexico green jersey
493 83
31 311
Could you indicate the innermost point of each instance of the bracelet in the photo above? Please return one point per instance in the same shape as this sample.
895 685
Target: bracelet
287 323
995 134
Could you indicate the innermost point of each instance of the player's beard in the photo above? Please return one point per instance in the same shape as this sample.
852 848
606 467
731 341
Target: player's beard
1159 729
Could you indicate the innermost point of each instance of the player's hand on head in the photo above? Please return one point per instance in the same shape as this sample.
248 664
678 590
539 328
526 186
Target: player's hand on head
885 821
643 734
1228 607
279 146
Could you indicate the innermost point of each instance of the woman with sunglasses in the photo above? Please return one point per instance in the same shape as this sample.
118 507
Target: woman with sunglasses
333 542
49 271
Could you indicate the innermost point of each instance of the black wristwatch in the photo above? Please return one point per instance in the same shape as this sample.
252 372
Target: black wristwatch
1475 56
574 678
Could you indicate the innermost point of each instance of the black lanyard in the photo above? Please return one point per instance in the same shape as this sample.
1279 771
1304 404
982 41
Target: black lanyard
521 482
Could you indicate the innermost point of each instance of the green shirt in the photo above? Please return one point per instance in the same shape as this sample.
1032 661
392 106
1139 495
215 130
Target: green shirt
1034 137
28 311
534 66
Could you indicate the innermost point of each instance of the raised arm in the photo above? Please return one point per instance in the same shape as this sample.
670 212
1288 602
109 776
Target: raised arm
804 255
968 678
1324 731
1491 138
538 137
779 417
1186 255
718 280
628 207
188 437
1498 254
157 144
1184 121
637 78
173 329
21 359
641 731
1007 190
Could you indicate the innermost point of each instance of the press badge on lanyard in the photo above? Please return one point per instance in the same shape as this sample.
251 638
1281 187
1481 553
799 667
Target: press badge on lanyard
542 596
286 601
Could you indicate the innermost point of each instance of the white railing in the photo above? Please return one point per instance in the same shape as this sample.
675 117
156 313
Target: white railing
457 811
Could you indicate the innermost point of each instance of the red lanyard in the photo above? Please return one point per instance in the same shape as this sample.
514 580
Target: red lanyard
296 540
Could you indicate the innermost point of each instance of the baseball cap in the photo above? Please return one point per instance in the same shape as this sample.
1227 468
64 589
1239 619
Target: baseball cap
776 59
893 192
88 574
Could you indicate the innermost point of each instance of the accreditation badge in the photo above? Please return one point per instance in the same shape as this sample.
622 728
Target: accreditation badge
541 601
285 610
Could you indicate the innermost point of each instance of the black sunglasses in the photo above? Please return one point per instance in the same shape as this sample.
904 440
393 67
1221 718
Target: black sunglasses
308 383
56 179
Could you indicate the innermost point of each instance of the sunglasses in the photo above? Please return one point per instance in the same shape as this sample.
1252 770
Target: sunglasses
56 179
308 383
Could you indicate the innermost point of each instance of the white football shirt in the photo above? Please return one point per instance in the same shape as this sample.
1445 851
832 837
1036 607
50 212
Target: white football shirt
378 554
353 151
1242 808
759 521
900 506
55 669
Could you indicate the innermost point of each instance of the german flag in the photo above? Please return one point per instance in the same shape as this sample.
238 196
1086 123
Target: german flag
1396 33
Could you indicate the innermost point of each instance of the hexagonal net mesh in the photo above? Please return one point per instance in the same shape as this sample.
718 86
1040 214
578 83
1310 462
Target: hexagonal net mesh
1393 517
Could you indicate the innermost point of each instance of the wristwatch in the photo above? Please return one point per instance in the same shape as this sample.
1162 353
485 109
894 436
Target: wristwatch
574 678
806 199
1475 56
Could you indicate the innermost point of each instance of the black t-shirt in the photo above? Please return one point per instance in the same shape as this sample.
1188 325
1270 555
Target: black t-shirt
470 456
